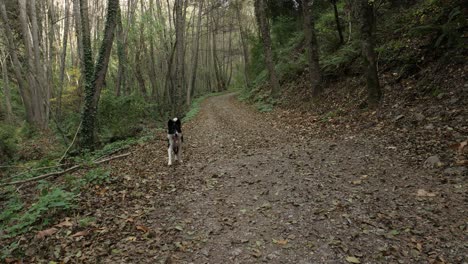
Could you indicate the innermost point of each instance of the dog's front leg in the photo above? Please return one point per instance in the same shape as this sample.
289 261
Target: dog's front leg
169 149
169 154
179 154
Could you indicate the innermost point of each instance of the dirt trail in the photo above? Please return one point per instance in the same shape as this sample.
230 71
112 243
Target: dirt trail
253 191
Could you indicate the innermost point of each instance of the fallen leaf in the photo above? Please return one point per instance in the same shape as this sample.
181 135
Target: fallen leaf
131 238
462 145
65 223
48 232
81 233
419 247
461 162
142 228
179 246
459 146
256 253
357 182
280 242
352 259
424 193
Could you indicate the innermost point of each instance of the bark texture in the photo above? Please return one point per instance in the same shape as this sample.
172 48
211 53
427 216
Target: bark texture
367 26
315 76
95 75
264 28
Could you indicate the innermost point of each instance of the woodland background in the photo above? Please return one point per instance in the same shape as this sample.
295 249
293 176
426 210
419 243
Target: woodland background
83 79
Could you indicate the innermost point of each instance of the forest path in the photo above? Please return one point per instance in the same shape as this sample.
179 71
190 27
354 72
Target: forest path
251 191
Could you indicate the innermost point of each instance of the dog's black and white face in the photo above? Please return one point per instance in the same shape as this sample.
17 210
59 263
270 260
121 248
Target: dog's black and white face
174 126
174 135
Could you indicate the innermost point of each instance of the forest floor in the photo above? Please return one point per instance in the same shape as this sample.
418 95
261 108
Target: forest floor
253 188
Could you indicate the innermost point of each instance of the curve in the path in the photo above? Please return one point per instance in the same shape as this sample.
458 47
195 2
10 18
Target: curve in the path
251 191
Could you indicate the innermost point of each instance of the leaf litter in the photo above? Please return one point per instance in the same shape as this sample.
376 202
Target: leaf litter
317 199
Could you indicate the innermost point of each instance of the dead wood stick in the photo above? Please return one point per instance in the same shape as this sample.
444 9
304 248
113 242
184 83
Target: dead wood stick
73 142
58 173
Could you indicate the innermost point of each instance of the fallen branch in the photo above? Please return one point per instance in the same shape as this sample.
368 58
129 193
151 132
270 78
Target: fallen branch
58 173
111 158
73 142
36 169
10 166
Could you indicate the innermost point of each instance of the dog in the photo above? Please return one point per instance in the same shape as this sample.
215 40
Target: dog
174 135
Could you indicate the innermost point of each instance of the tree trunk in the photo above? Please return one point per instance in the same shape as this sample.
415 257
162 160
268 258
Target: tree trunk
63 59
95 76
337 20
121 54
102 63
191 88
6 89
216 64
230 59
17 69
315 77
153 74
79 42
367 20
138 59
245 47
43 89
34 74
179 77
264 28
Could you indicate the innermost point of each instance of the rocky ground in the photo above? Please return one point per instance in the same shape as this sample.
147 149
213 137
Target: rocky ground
259 188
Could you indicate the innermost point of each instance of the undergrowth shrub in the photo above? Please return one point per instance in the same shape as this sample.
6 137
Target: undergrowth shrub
338 62
120 117
97 176
8 143
283 29
444 23
16 218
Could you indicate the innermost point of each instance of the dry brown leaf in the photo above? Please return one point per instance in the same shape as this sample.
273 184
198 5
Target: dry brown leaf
81 233
461 162
424 193
462 145
280 242
65 223
352 259
142 228
357 182
256 253
419 247
48 232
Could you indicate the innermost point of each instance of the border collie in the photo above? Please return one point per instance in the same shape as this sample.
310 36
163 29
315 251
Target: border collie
174 135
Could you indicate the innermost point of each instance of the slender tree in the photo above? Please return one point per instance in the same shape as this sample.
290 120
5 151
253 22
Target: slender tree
196 48
367 27
6 87
315 75
264 28
63 58
180 59
29 77
337 21
95 75
243 36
